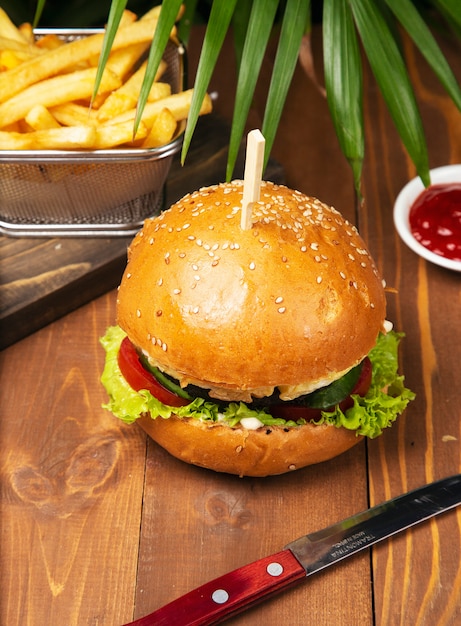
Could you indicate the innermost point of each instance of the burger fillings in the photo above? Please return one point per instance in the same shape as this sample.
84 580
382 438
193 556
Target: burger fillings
258 351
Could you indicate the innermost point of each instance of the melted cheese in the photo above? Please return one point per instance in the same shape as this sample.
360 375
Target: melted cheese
228 394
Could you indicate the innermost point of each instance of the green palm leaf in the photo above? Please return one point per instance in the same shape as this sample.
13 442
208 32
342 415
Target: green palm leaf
373 19
218 24
166 20
115 14
240 21
411 20
451 9
187 21
257 35
391 75
296 21
343 82
38 11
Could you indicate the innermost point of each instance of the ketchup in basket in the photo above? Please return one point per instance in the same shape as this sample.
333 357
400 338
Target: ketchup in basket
435 220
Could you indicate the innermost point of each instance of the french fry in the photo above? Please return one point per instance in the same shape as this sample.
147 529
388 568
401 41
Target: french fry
154 13
178 103
9 30
72 114
162 131
121 62
13 128
46 91
26 49
65 138
54 61
39 118
126 97
127 18
9 59
117 134
53 91
27 31
50 41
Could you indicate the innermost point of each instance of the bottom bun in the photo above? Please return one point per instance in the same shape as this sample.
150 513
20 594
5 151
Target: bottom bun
263 452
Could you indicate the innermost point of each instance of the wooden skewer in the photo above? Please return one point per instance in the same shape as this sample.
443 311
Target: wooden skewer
253 174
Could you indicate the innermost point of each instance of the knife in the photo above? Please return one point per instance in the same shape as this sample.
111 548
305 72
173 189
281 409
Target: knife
240 589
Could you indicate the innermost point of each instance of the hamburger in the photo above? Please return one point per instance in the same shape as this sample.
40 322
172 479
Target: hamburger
252 352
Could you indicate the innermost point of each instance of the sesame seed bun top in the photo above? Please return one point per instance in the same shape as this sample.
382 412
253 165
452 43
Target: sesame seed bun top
294 302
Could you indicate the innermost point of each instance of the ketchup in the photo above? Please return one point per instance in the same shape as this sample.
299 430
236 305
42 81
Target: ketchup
435 220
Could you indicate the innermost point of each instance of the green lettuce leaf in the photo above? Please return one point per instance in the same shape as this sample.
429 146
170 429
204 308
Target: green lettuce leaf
368 417
378 409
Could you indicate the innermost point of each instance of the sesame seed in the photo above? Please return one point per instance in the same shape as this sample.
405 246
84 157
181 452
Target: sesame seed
279 300
282 309
176 292
195 309
164 347
319 280
167 258
160 282
343 275
186 226
197 277
151 240
252 265
138 313
195 267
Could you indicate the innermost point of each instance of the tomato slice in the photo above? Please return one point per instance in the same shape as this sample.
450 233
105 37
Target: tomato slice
289 411
139 378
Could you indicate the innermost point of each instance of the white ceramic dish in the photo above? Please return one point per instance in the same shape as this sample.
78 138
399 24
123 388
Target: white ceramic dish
403 203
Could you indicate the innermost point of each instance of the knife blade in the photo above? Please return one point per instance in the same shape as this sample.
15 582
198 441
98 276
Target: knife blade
223 597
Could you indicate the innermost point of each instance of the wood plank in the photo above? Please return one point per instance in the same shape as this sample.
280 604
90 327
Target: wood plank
71 482
204 524
417 575
42 279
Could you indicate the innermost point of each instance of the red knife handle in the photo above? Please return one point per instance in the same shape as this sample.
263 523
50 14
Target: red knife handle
229 594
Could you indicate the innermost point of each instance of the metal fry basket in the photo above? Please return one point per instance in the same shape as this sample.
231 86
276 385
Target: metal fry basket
87 193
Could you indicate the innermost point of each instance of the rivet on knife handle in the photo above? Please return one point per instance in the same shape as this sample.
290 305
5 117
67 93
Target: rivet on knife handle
229 594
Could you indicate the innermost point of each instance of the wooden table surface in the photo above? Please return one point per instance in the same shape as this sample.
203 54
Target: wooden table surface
99 525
